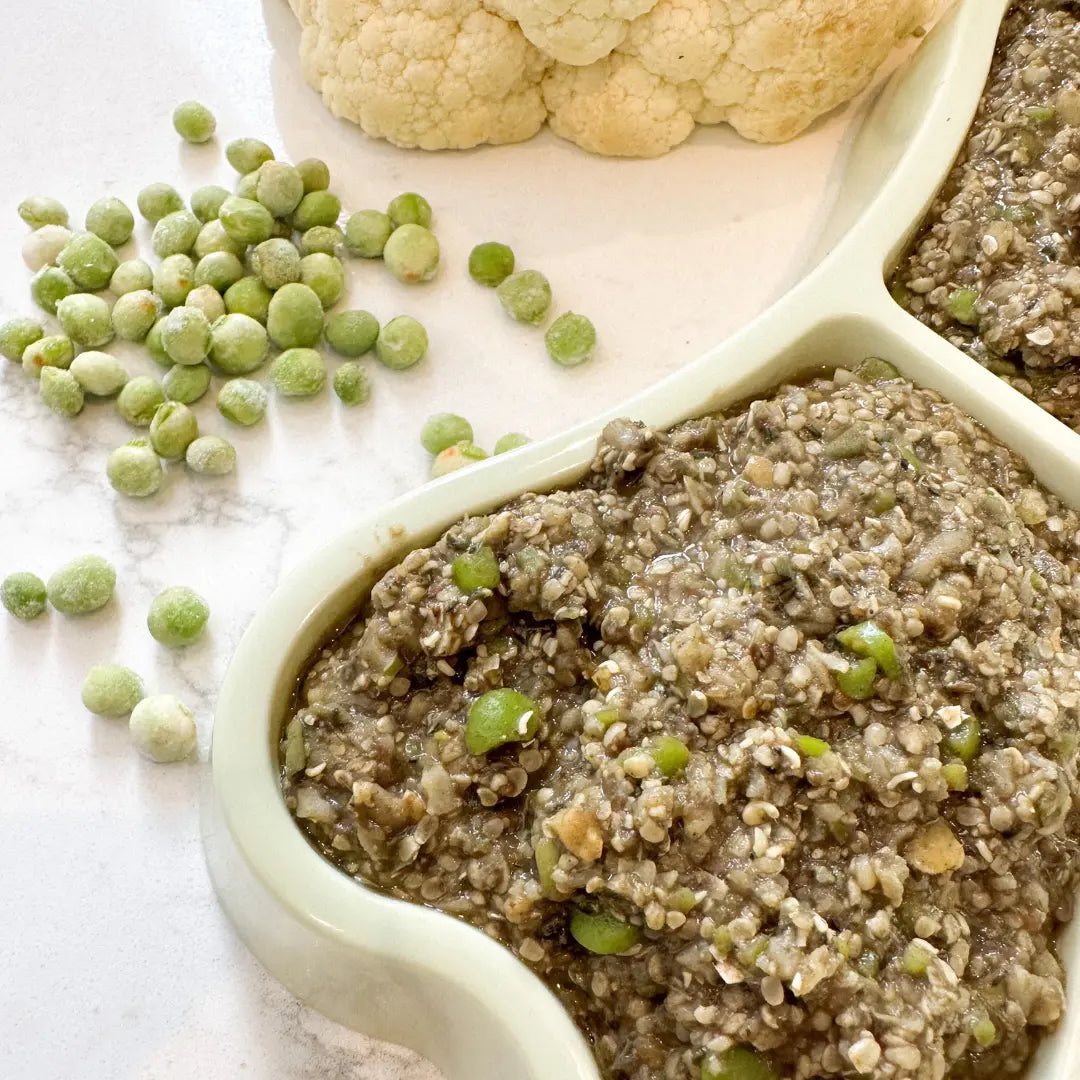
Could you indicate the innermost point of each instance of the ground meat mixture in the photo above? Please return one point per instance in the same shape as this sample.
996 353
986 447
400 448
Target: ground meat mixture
996 267
803 769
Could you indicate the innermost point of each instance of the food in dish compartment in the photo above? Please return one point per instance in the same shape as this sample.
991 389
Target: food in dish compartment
759 745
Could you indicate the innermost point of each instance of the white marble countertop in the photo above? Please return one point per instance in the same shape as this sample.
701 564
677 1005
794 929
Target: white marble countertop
116 961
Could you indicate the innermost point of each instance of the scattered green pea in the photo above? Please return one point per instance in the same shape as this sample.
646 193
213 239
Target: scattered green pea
248 185
53 350
498 717
210 455
279 187
401 343
316 208
513 440
961 304
315 174
352 333
194 122
478 569
491 263
186 383
157 200
298 372
736 1063
811 747
175 234
249 296
295 317
186 336
525 296
41 210
444 429
131 276
366 233
964 741
352 384
49 286
603 933
134 469
42 246
409 209
82 585
154 344
245 220
412 254
219 269
246 155
177 616
207 300
238 344
858 681
174 278
669 753
206 201
111 690
455 457
163 729
85 319
570 339
111 220
134 314
23 594
325 276
328 239
276 262
213 237
60 391
173 427
88 261
868 639
99 373
139 400
243 401
16 335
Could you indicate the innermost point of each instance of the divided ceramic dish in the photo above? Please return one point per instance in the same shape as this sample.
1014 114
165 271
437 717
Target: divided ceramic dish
423 979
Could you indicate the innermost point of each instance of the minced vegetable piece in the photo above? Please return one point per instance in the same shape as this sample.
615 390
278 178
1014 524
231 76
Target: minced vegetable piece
512 440
23 594
245 220
16 335
220 269
173 427
295 317
210 455
243 401
737 1063
328 239
570 339
82 585
315 174
174 278
40 210
401 343
858 681
99 373
955 775
60 391
409 209
868 639
810 746
279 187
88 261
964 740
135 313
177 616
874 368
43 245
185 336
444 429
412 254
186 383
984 1031
194 122
86 319
249 296
163 729
491 263
352 333
238 344
525 296
140 399
669 753
276 262
111 690
325 276
352 383
206 201
111 219
298 372
316 208
49 286
961 306
53 350
157 200
455 457
213 237
603 933
134 469
478 569
366 233
498 717
246 155
131 276
916 959
208 300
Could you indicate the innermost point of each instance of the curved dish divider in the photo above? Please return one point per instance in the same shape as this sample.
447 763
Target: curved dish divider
425 980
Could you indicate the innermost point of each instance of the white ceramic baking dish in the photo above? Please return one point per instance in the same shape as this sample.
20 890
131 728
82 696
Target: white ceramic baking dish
420 978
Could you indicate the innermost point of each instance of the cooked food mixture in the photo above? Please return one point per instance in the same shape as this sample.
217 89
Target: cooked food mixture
996 268
759 746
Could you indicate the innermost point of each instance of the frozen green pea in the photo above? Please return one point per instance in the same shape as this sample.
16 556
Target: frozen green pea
366 233
238 344
186 383
298 372
280 187
157 200
737 1063
316 208
210 455
669 753
295 317
16 335
570 339
401 343
49 286
315 174
99 373
868 639
131 276
163 729
499 717
444 429
60 391
455 457
110 219
242 401
139 400
42 246
412 254
206 201
282 229
208 300
249 296
173 427
352 383
352 333
328 239
174 278
23 594
86 319
525 296
491 263
247 185
186 336
41 210
111 690
409 209
858 681
603 933
245 220
154 345
512 440
479 569
53 350
177 616
213 237
219 269
325 276
175 234
88 261
82 585
276 262
246 155
193 122
984 1031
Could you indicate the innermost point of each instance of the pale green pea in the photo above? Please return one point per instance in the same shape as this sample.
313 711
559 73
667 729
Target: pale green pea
99 373
247 185
955 775
42 246
965 740
175 234
473 570
412 254
328 239
491 263
193 122
246 155
525 296
206 201
246 220
88 261
915 960
139 400
858 681
366 233
280 187
49 286
213 237
82 585
401 343
135 313
810 746
316 208
603 933
499 717
134 470
248 296
298 373
110 219
737 1063
186 383
174 426
219 269
570 339
276 262
208 300
352 383
512 440
163 729
325 276
210 455
962 306
157 200
23 594
53 350
174 278
295 317
111 690
444 429
315 174
984 1031
242 401
85 319
409 209
669 753
130 276
186 336
154 345
16 335
352 333
41 210
60 391
238 344
455 457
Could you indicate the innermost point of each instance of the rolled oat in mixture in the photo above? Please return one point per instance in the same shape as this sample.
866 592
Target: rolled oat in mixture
996 268
790 784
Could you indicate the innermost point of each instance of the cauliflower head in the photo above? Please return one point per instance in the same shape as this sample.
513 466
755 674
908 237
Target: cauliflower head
617 77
